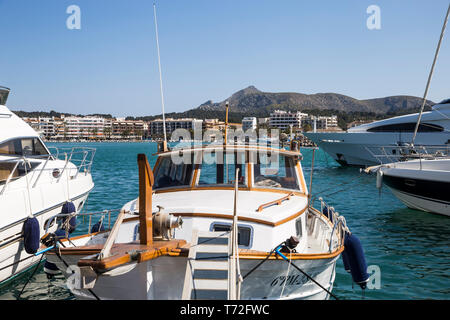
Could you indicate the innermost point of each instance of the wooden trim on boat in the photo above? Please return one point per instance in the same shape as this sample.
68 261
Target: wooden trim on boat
301 178
127 253
200 188
277 202
249 176
146 182
258 255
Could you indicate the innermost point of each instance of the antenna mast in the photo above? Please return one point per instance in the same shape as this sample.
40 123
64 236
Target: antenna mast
160 80
430 75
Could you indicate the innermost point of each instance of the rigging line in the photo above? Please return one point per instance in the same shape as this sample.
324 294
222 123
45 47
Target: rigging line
334 186
307 275
59 256
32 275
431 74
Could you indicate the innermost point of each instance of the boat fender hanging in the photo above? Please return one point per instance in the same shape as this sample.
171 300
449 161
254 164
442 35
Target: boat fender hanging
356 260
345 261
69 207
97 227
379 179
50 269
60 234
31 235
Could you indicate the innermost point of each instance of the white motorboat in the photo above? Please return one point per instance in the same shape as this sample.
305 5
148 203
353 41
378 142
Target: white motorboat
422 183
213 222
355 147
34 185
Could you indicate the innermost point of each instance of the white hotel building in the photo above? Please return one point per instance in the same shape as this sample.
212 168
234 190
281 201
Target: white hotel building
283 120
156 126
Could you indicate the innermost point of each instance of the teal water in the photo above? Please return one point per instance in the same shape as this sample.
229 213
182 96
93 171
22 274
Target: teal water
410 248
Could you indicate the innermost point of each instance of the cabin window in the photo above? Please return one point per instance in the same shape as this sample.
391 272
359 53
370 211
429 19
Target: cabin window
275 171
169 174
245 232
220 168
23 147
6 168
407 127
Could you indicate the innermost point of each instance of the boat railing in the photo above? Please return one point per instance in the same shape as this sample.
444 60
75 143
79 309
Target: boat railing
81 157
397 153
101 215
339 225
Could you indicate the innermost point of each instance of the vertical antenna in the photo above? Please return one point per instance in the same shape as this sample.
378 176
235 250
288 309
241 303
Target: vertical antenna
160 79
430 75
226 121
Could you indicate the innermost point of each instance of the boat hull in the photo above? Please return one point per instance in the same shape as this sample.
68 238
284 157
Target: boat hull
420 184
163 279
358 148
12 251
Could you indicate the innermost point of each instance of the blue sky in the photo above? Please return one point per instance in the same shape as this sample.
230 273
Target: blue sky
211 48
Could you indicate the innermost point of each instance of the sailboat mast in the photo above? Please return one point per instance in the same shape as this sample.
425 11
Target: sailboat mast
430 75
160 78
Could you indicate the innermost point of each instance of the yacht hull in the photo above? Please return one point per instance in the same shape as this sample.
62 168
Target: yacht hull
419 194
12 249
420 184
359 148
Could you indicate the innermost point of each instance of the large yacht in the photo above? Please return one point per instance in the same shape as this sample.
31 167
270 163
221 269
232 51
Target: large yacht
359 145
34 185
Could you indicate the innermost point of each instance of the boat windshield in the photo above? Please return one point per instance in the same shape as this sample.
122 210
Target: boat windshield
170 174
23 147
220 168
275 172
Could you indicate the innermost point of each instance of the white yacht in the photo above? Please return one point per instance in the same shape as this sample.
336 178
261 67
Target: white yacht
357 146
34 184
421 184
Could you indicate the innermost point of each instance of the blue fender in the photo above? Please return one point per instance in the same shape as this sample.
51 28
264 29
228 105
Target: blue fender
69 207
31 235
356 260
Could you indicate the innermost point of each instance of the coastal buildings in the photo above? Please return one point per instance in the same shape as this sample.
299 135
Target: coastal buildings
156 126
108 128
284 120
88 128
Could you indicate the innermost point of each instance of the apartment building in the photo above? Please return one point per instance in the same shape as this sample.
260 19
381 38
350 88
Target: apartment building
283 119
156 126
128 129
320 122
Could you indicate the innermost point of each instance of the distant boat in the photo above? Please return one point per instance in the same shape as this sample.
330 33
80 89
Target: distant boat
359 145
34 185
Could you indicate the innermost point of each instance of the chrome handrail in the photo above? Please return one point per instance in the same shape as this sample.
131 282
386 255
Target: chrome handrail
407 152
83 164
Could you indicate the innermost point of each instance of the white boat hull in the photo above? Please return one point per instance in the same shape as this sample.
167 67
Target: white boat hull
421 185
358 148
163 279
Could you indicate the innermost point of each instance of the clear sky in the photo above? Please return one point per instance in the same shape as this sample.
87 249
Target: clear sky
212 48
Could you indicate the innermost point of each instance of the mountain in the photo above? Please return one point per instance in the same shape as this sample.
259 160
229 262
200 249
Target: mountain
251 100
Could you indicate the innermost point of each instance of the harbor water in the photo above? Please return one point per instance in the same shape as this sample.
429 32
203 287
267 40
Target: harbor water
407 251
